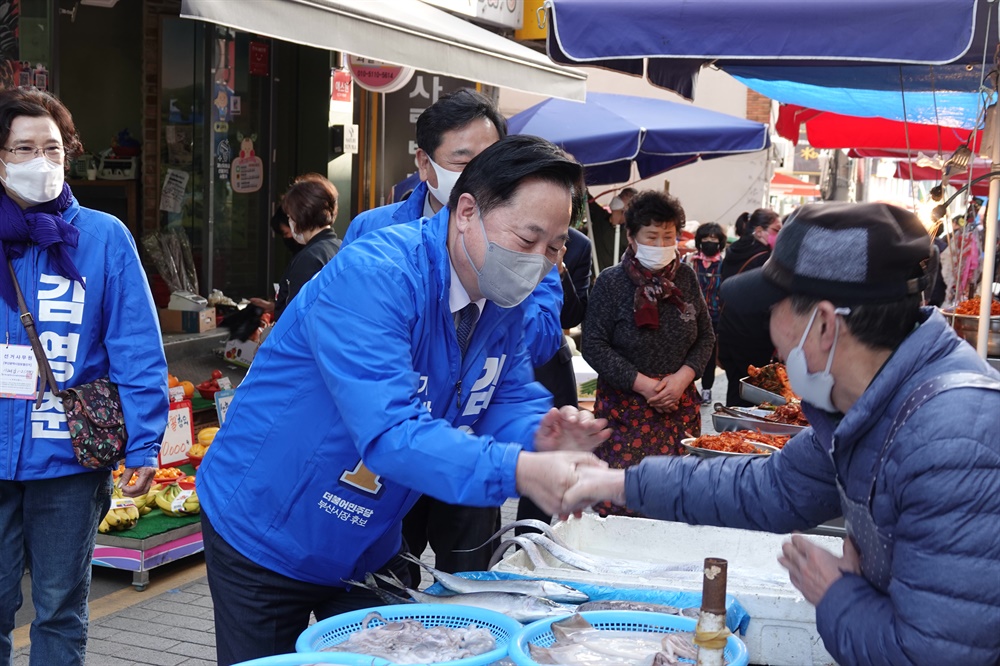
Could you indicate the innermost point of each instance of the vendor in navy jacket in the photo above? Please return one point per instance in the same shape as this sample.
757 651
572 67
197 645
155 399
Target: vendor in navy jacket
400 369
450 132
903 445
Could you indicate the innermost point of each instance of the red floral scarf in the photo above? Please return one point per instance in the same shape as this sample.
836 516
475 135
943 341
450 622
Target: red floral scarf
651 288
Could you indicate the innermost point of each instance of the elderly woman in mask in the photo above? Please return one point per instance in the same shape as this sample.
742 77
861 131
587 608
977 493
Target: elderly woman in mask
86 291
648 334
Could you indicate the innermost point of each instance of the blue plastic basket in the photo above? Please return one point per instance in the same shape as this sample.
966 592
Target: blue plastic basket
309 658
540 633
337 629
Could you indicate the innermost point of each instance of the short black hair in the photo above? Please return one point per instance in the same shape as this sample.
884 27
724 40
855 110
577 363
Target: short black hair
651 206
454 111
493 176
709 229
877 325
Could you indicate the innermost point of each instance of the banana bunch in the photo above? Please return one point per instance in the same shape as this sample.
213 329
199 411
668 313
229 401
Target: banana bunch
167 500
148 501
122 516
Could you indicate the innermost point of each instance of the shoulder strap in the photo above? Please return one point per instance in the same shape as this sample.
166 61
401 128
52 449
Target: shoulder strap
920 395
747 262
36 345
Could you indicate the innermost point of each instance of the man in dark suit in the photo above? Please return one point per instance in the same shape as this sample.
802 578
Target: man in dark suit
557 374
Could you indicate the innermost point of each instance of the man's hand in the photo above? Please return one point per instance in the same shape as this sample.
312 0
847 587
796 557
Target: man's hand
544 477
813 569
143 480
593 485
570 429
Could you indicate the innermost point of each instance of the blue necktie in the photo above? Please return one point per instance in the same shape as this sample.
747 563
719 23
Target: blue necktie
466 318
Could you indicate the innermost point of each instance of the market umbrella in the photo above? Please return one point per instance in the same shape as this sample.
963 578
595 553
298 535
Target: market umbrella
848 56
825 129
608 133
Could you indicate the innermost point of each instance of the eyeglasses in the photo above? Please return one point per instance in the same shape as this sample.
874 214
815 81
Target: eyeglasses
24 153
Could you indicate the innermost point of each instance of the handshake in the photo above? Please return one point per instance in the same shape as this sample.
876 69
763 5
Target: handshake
562 476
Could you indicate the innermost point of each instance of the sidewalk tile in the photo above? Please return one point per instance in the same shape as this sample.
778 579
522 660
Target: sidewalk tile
134 654
206 652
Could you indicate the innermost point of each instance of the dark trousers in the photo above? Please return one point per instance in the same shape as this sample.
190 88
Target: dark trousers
50 525
259 612
450 528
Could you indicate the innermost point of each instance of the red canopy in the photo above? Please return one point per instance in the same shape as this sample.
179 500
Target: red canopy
793 187
832 130
980 189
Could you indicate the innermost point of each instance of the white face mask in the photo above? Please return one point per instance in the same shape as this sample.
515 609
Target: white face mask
36 181
446 182
299 238
816 388
654 257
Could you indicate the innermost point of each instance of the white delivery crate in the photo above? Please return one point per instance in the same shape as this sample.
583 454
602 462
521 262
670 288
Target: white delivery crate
782 629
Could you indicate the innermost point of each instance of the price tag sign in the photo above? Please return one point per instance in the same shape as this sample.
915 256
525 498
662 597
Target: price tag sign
224 383
222 400
179 435
176 393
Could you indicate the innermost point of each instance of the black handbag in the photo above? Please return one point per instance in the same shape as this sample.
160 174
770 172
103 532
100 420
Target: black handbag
93 410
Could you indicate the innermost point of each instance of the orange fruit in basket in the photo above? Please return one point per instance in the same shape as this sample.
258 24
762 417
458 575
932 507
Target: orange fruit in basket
188 388
172 381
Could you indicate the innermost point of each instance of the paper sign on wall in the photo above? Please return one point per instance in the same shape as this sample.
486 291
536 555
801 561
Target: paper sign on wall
174 189
179 435
247 171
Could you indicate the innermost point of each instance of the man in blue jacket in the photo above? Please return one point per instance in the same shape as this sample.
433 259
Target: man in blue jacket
399 370
903 445
452 131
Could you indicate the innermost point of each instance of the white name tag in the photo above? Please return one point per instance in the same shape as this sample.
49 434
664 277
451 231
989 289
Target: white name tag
18 372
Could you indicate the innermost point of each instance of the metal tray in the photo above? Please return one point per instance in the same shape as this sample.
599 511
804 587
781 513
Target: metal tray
688 444
757 395
967 327
726 423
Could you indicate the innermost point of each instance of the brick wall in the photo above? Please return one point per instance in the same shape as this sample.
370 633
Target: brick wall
758 107
150 91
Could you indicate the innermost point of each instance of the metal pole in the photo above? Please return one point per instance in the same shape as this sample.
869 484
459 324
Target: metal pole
990 248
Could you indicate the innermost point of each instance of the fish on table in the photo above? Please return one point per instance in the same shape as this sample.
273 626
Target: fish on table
409 641
577 641
535 587
515 605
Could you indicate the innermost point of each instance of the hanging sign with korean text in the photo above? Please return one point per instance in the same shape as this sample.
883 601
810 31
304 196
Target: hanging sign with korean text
378 76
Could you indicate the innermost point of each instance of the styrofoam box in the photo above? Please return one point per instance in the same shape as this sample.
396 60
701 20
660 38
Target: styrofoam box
782 628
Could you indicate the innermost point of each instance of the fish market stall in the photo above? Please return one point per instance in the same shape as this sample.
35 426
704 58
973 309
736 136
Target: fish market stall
782 628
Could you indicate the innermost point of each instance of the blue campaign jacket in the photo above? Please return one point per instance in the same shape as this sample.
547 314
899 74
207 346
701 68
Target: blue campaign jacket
543 333
108 329
358 402
937 495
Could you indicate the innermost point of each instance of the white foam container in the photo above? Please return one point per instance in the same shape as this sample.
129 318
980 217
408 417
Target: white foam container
782 629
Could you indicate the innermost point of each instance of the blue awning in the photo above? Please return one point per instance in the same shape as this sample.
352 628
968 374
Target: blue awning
887 45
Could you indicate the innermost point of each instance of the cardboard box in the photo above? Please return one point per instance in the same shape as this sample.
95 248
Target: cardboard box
176 321
243 353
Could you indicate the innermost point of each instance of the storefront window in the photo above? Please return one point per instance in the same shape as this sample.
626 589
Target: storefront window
214 147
